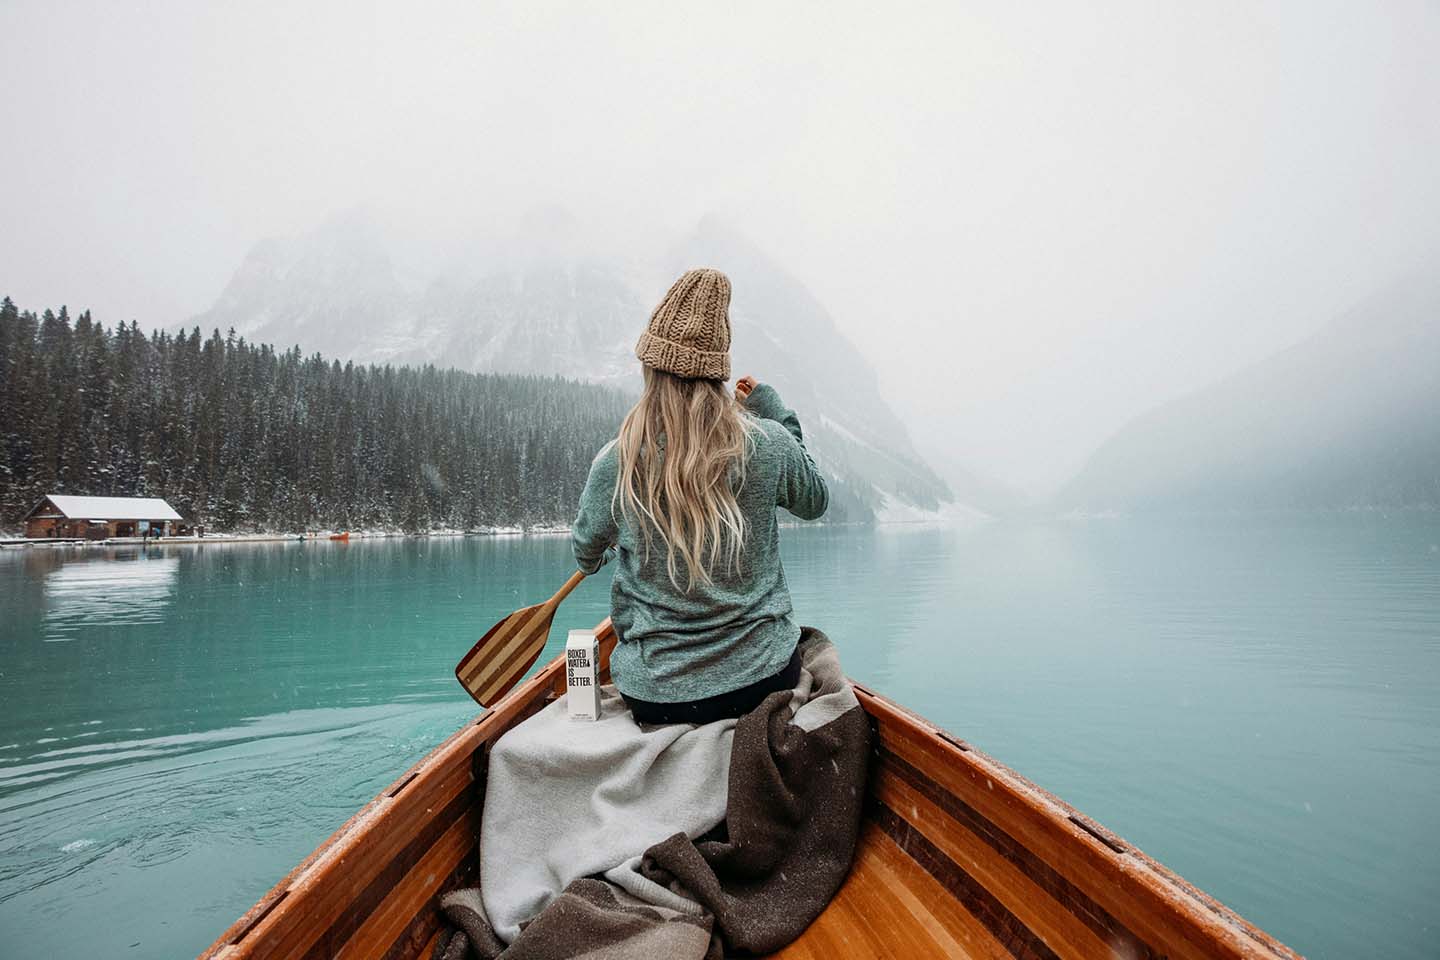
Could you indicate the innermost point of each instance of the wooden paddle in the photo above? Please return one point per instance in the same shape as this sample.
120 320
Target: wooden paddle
502 656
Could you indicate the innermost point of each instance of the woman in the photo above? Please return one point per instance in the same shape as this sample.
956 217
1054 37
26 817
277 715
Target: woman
683 501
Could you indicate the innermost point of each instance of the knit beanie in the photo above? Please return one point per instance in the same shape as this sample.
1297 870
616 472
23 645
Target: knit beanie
689 332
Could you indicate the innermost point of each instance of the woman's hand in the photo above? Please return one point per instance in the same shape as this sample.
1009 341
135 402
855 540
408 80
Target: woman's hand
743 386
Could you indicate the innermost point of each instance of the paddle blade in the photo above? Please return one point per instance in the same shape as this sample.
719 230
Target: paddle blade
502 656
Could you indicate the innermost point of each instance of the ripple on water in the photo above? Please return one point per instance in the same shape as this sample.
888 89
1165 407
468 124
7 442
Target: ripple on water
1195 689
185 800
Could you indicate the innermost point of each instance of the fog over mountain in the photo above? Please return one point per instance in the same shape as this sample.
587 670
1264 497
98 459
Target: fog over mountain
1033 222
1347 419
540 301
1340 420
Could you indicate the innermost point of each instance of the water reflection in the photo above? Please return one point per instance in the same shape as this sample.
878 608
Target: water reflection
127 588
1188 684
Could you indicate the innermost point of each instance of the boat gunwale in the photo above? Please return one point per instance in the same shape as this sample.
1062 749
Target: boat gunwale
469 738
1136 881
1140 877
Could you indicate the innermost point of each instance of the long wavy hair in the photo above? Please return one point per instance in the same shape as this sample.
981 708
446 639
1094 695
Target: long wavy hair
683 449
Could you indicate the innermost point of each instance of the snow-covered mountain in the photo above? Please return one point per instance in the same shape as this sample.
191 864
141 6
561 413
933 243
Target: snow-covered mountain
1345 419
537 303
328 291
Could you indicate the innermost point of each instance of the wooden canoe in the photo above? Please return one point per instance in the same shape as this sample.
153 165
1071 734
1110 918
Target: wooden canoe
959 857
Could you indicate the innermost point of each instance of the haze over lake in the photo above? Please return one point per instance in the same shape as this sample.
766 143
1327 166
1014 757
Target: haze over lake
1035 223
1257 705
1115 332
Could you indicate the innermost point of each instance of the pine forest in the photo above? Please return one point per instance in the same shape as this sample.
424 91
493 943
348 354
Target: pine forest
240 437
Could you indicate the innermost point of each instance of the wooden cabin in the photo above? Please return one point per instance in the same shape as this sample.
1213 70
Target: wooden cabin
99 518
959 856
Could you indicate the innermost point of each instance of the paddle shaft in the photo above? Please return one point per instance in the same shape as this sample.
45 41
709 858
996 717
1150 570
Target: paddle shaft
570 584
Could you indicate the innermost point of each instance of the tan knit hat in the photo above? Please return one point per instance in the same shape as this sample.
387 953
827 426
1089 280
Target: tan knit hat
689 332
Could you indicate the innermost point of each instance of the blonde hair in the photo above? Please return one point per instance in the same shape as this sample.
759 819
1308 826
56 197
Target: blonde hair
680 448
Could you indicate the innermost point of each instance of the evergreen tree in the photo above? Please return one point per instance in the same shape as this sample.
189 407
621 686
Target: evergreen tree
239 437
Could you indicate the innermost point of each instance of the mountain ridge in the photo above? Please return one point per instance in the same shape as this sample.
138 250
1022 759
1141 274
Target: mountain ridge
543 305
1341 420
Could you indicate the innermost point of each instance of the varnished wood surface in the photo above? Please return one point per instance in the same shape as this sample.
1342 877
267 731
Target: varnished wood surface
890 907
960 857
501 657
323 907
1136 906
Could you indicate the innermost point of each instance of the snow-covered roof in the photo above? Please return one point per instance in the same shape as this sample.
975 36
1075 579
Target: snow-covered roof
113 508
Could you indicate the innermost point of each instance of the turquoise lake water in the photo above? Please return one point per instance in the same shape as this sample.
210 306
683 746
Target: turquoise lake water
1255 703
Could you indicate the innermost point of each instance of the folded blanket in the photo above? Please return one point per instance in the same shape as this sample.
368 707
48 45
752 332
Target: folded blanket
611 839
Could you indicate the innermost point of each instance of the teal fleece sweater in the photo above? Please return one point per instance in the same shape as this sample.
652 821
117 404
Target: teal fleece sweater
676 646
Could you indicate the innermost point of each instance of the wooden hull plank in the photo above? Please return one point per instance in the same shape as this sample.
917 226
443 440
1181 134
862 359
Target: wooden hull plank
325 891
1031 905
1173 919
899 875
379 889
417 890
959 856
891 907
336 883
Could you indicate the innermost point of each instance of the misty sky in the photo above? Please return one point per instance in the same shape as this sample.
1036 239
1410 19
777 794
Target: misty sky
1037 221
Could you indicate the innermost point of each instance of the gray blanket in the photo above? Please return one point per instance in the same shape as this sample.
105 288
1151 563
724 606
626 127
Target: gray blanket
611 839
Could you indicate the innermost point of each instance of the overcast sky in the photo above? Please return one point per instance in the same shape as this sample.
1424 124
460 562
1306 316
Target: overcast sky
1036 220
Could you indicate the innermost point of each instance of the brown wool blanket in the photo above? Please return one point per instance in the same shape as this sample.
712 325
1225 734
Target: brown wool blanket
614 840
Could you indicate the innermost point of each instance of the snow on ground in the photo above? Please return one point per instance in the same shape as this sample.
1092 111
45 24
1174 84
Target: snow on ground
535 531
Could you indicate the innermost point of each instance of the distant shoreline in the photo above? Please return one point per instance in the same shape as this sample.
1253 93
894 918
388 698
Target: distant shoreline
326 535
308 537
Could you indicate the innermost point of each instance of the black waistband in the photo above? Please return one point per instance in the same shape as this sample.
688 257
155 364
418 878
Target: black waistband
719 707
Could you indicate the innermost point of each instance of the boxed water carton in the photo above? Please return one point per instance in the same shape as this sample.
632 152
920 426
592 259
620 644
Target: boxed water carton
582 675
